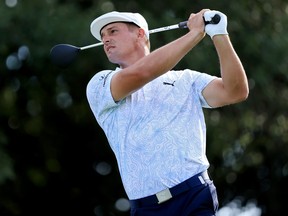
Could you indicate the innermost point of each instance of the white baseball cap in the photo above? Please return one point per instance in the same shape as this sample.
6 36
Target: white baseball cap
115 16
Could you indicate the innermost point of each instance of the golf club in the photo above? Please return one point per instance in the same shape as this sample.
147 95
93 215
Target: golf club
63 55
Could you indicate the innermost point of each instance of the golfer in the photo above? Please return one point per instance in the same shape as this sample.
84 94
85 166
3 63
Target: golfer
153 116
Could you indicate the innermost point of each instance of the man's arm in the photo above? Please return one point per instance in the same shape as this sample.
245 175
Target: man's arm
232 87
157 62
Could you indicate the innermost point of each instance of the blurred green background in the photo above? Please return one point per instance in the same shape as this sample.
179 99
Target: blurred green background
54 158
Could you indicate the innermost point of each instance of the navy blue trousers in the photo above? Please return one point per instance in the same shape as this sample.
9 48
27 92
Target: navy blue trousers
200 200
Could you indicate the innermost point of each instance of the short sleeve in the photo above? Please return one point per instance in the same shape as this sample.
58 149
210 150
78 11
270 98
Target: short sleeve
99 95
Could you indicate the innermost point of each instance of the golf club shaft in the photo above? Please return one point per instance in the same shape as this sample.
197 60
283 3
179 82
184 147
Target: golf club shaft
161 29
166 28
90 46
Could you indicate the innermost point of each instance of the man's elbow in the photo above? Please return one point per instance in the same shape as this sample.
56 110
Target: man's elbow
242 94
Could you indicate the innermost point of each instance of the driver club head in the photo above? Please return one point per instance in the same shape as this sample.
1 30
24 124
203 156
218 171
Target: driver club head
63 55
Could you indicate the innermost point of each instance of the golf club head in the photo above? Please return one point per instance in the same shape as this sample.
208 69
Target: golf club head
63 55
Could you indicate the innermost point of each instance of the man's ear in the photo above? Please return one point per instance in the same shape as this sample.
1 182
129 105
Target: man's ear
141 33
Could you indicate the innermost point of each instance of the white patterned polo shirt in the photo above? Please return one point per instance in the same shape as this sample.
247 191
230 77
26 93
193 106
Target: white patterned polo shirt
158 134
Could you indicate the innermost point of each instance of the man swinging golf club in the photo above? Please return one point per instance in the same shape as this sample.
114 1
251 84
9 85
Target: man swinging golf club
153 116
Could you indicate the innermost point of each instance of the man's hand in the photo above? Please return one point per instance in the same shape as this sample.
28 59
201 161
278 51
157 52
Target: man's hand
215 29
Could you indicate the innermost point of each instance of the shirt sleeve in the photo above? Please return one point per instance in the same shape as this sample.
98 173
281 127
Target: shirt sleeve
99 95
200 81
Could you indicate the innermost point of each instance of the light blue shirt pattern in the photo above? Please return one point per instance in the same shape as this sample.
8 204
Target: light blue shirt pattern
158 134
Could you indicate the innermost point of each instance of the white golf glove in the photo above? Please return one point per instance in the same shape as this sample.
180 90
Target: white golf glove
215 29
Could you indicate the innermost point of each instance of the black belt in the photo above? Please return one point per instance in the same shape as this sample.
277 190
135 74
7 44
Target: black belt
168 193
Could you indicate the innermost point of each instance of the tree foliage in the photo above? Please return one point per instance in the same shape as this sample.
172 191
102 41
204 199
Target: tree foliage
54 158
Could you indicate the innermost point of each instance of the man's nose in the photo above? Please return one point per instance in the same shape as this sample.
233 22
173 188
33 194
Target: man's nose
105 39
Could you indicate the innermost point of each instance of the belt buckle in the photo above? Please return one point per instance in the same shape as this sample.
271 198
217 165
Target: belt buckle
163 195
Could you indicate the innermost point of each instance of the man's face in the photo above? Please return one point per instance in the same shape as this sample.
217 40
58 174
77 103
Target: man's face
119 41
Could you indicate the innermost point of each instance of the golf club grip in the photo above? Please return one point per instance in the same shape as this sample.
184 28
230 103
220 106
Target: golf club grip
215 20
